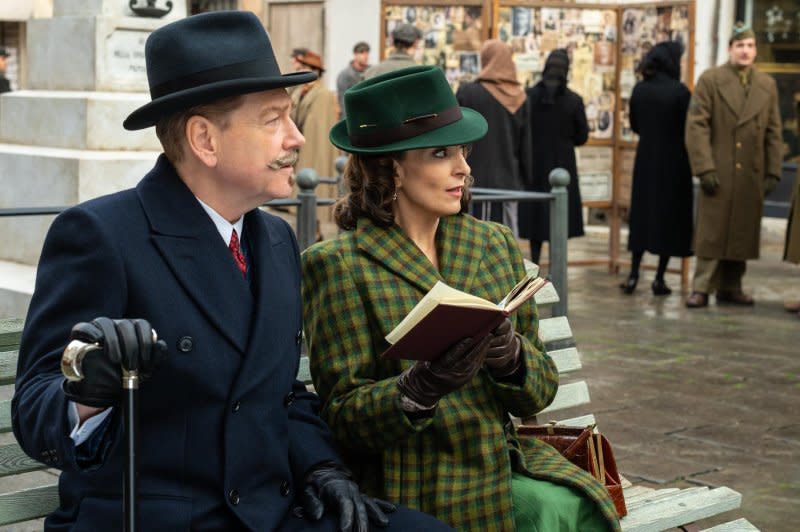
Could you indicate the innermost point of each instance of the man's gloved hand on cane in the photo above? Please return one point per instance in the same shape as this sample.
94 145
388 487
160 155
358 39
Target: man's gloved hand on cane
128 343
330 485
427 382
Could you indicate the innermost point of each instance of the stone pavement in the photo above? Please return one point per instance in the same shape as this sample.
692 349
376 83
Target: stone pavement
696 397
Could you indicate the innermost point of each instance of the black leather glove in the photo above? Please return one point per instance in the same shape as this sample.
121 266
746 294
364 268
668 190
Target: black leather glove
709 182
427 382
769 184
330 485
127 343
502 357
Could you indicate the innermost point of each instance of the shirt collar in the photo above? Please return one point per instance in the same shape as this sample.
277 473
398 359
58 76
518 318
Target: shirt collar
224 227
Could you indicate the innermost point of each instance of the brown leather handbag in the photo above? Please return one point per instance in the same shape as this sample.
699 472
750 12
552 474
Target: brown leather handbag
586 449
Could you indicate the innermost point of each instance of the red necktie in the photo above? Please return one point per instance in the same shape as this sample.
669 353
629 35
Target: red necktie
236 251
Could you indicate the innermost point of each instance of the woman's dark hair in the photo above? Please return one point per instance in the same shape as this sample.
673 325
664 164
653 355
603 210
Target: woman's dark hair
665 58
370 183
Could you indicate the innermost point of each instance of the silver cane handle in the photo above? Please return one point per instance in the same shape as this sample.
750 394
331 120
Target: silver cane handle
76 351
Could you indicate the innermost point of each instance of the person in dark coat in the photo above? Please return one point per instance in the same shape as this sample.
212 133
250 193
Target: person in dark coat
661 199
558 124
5 85
501 159
229 439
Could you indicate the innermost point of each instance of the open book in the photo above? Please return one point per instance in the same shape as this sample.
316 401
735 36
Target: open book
446 315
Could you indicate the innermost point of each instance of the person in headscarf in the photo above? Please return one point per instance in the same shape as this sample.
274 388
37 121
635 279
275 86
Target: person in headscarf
501 159
558 123
661 200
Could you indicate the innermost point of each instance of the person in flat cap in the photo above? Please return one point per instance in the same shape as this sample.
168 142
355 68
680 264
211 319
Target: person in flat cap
5 84
314 110
352 73
229 439
734 141
433 435
405 40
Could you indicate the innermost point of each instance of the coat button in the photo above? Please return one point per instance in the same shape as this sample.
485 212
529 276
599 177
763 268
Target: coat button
236 406
298 511
288 400
738 166
285 488
233 496
298 337
738 145
185 344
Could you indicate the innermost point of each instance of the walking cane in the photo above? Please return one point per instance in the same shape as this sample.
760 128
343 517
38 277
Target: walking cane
71 367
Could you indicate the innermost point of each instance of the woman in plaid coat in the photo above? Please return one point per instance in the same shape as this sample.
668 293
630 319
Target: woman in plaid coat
434 436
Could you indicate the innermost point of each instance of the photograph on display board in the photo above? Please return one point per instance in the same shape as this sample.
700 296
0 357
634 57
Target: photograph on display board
451 37
590 38
643 28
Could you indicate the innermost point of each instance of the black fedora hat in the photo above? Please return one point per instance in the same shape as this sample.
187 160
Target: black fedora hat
206 57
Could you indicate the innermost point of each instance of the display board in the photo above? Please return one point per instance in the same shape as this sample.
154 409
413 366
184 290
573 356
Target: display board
452 34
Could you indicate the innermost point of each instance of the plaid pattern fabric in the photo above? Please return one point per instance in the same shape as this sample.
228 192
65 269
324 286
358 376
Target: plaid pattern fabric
456 465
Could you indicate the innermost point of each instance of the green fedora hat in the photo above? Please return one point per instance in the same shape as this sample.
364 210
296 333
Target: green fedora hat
405 109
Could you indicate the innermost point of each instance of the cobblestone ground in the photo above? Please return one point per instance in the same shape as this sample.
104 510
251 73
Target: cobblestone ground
696 397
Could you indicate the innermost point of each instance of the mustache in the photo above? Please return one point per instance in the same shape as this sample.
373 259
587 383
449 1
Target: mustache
290 159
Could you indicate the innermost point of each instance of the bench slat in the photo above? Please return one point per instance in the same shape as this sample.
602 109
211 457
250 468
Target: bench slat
685 506
566 359
13 461
568 395
546 296
580 421
8 367
10 333
5 416
740 525
25 505
554 330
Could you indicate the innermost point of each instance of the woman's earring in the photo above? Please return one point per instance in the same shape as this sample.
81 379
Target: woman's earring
394 198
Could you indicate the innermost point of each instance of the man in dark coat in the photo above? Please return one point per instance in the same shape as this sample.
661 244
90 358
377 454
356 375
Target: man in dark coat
501 159
229 439
734 140
661 200
558 122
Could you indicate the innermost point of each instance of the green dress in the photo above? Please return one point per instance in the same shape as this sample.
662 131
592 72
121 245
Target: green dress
458 464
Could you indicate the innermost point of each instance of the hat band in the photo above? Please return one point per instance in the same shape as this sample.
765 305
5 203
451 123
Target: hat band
410 128
246 69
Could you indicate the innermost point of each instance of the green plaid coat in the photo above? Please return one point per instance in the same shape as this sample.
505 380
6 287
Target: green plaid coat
458 464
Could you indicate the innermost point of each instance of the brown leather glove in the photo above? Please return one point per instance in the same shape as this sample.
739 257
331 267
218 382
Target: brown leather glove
709 182
427 382
502 358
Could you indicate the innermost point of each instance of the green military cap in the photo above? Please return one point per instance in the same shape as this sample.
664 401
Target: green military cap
741 31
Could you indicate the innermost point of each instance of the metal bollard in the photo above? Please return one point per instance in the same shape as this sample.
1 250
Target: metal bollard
559 214
307 179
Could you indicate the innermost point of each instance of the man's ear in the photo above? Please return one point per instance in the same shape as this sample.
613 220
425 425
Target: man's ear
201 139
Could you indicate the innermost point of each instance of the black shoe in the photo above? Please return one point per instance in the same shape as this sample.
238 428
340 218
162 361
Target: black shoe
629 285
660 288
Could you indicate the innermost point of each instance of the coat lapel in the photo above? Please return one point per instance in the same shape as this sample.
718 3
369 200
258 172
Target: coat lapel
462 242
392 248
756 98
731 91
190 244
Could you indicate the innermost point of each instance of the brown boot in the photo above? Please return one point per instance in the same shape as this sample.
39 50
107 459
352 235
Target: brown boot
734 297
697 300
792 306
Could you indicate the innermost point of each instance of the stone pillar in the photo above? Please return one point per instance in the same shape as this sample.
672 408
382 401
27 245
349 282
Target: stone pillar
61 139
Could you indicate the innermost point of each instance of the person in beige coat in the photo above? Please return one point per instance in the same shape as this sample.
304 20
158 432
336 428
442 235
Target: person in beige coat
733 137
315 110
791 252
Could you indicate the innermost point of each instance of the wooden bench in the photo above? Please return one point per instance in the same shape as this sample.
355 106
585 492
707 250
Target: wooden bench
648 509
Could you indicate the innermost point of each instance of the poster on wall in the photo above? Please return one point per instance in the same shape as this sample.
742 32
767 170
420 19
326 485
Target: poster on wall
643 28
451 37
595 172
590 38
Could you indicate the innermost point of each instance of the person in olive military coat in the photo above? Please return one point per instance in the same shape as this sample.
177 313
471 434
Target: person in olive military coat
733 137
434 436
